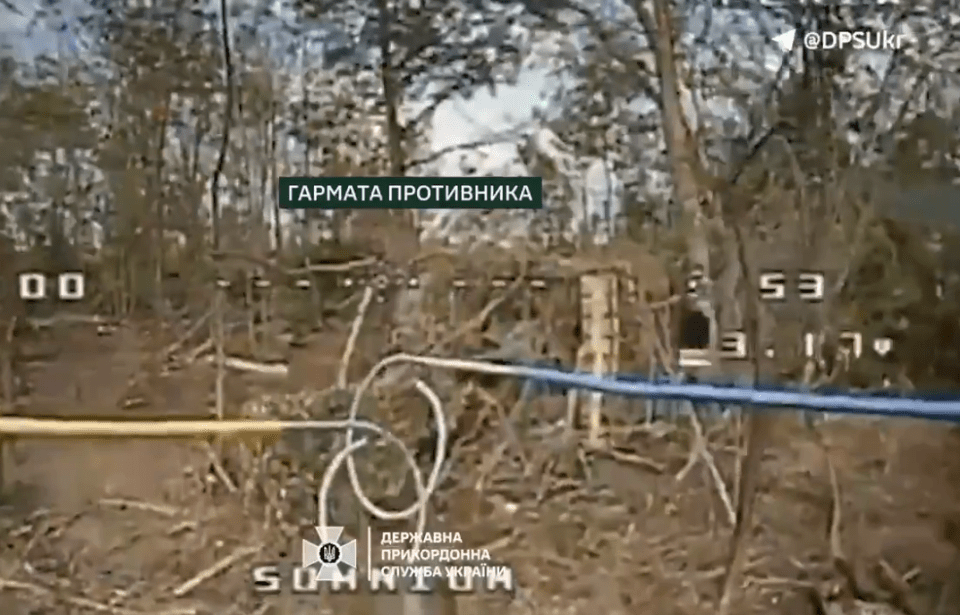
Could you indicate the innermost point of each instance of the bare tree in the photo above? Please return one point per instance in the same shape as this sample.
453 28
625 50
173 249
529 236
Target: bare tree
227 124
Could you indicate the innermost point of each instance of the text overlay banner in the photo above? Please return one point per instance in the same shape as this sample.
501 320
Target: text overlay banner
411 192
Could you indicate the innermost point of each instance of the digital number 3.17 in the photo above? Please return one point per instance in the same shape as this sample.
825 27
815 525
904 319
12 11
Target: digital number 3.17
733 345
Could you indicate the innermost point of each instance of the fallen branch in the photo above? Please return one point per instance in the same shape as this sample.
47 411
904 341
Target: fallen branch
166 511
85 603
335 267
212 571
182 527
352 339
476 322
176 345
218 468
633 459
843 565
273 267
80 319
899 589
505 420
699 450
194 354
246 365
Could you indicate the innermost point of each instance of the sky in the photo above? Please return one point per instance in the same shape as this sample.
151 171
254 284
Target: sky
26 42
504 114
459 121
742 33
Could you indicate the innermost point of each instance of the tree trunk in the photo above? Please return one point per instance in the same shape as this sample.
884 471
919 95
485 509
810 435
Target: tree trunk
227 124
682 152
688 174
400 241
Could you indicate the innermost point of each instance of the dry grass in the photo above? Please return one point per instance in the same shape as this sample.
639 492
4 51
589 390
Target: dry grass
620 534
148 528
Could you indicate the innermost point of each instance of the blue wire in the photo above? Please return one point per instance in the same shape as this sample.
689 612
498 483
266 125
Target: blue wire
921 406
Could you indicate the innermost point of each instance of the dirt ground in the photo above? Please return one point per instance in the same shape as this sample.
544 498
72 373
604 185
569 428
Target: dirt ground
119 507
120 526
